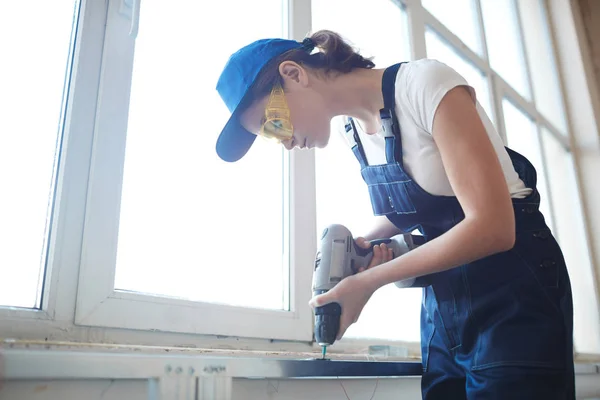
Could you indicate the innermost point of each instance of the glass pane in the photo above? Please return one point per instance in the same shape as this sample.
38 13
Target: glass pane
570 232
439 49
522 137
460 17
338 172
385 38
35 45
192 226
504 43
542 63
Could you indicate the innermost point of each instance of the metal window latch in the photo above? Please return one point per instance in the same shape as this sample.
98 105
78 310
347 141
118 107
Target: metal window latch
131 10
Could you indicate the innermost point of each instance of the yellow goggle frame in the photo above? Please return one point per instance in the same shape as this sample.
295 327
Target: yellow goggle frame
277 125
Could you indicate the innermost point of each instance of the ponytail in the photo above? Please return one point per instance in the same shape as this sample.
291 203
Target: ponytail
333 55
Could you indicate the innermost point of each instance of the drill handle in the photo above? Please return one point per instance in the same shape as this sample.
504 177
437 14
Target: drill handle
362 252
400 245
411 241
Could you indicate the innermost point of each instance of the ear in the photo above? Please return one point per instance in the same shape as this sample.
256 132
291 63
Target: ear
293 73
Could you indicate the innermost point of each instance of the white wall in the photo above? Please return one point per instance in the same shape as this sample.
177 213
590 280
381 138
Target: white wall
384 389
356 389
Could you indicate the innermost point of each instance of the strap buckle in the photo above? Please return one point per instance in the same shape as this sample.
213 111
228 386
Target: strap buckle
387 122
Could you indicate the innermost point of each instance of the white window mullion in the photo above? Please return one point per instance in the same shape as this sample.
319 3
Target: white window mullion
416 26
515 96
482 36
450 37
528 107
545 176
497 96
303 234
298 21
99 246
561 138
302 197
524 50
497 117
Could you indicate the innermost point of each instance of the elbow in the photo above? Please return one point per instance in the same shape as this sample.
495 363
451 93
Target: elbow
505 240
505 232
497 234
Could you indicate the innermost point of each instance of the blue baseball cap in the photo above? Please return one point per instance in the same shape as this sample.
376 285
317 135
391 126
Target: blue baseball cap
234 84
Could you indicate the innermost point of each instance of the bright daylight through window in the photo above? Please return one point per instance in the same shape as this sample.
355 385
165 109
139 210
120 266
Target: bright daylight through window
32 84
191 227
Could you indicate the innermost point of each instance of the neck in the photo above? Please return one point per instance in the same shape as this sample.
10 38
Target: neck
358 95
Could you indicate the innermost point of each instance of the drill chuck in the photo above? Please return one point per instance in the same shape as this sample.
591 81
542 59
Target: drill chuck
327 323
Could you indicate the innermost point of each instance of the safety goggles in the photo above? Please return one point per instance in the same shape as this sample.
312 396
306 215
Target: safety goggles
277 125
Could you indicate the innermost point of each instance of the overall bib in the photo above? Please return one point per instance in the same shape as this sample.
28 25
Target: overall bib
497 328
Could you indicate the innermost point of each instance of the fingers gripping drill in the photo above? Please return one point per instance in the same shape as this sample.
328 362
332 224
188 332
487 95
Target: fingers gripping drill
338 257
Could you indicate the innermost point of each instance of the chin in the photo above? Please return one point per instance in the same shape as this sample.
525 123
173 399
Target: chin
322 142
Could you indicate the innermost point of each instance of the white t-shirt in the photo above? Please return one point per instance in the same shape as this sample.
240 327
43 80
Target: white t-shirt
420 86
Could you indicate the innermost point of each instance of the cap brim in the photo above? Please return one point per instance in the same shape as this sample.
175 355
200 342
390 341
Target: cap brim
234 141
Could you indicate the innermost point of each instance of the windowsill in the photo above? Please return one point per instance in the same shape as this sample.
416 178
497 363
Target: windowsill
39 360
586 365
117 348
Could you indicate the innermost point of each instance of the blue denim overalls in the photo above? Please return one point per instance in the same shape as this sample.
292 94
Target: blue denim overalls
497 328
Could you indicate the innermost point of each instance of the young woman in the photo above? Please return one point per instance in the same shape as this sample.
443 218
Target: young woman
496 318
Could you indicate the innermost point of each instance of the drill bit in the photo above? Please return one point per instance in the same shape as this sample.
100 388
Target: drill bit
323 352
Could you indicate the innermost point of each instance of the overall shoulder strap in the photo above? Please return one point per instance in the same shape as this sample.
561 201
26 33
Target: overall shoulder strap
389 120
388 86
354 141
391 128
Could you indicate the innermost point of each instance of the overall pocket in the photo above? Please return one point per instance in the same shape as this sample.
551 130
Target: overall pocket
516 309
391 198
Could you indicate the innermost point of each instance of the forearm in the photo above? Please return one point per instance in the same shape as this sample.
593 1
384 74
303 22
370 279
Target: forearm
469 240
381 229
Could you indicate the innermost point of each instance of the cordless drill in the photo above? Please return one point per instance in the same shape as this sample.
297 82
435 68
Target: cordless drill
338 257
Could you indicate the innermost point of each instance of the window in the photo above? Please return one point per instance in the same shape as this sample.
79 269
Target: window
504 44
522 137
32 79
542 65
118 215
443 51
342 196
460 17
172 240
570 232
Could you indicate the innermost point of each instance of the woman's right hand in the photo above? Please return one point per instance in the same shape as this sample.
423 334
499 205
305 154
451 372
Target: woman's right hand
381 253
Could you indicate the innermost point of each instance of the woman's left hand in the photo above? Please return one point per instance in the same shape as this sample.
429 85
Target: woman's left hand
352 293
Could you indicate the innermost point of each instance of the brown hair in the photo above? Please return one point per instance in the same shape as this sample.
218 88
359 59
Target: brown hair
335 55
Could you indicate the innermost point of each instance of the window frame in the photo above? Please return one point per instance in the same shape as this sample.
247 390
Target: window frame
98 303
78 300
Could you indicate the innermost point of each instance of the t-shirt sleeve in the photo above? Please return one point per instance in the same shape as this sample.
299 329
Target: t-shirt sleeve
426 83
